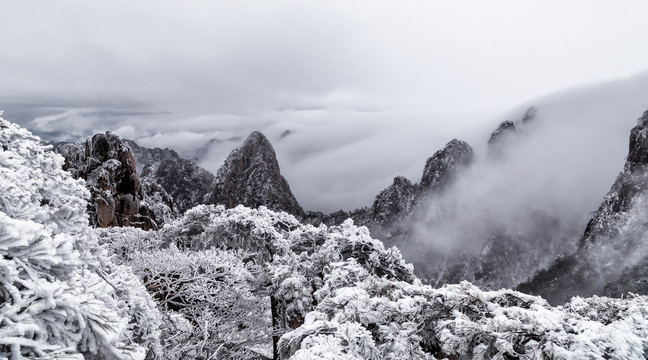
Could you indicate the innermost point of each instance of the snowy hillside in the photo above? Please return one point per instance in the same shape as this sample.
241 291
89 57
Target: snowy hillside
60 295
247 283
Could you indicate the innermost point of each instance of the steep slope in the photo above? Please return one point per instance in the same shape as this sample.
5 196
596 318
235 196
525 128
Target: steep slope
145 156
444 167
615 241
250 176
461 233
164 174
395 209
187 183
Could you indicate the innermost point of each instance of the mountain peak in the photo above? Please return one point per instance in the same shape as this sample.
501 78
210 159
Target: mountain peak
638 152
441 169
251 176
108 167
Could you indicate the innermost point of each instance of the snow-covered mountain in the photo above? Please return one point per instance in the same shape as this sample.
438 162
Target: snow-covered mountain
494 214
186 183
254 283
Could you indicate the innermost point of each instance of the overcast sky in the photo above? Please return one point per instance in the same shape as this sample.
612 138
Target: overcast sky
360 74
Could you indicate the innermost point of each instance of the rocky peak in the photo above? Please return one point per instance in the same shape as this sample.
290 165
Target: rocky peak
186 182
108 167
504 129
638 153
613 245
445 165
250 176
630 183
146 156
395 200
105 149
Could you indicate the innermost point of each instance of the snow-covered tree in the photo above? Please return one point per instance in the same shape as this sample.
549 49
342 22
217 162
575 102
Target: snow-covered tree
60 297
288 262
361 316
210 301
337 293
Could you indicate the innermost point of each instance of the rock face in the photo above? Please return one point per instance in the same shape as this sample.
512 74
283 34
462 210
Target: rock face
615 243
108 167
396 200
146 156
187 183
250 176
504 129
444 167
394 210
500 137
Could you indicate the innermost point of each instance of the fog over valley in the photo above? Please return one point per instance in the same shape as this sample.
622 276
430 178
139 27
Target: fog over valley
317 180
367 91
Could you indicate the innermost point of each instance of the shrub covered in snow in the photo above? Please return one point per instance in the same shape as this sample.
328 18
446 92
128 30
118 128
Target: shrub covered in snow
376 318
59 295
274 262
210 302
336 293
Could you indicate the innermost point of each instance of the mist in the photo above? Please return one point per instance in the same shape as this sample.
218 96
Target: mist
367 90
558 166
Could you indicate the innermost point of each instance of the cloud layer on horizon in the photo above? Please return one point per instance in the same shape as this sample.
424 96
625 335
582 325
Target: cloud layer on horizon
369 89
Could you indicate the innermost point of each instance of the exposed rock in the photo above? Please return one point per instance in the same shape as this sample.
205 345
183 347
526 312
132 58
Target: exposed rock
146 156
529 114
501 136
109 169
504 129
396 200
633 279
445 165
393 212
250 176
187 183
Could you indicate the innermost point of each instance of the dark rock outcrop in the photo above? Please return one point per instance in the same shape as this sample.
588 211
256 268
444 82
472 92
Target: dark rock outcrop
445 165
614 243
393 202
187 183
146 156
250 176
504 129
505 132
108 167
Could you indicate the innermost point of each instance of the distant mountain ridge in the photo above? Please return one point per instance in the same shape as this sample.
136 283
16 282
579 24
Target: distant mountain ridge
508 258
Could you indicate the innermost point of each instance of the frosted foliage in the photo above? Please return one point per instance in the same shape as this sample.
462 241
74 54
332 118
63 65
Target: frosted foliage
209 301
59 294
339 294
460 321
216 301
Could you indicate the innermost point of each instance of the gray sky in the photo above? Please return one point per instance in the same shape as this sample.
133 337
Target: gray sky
369 88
